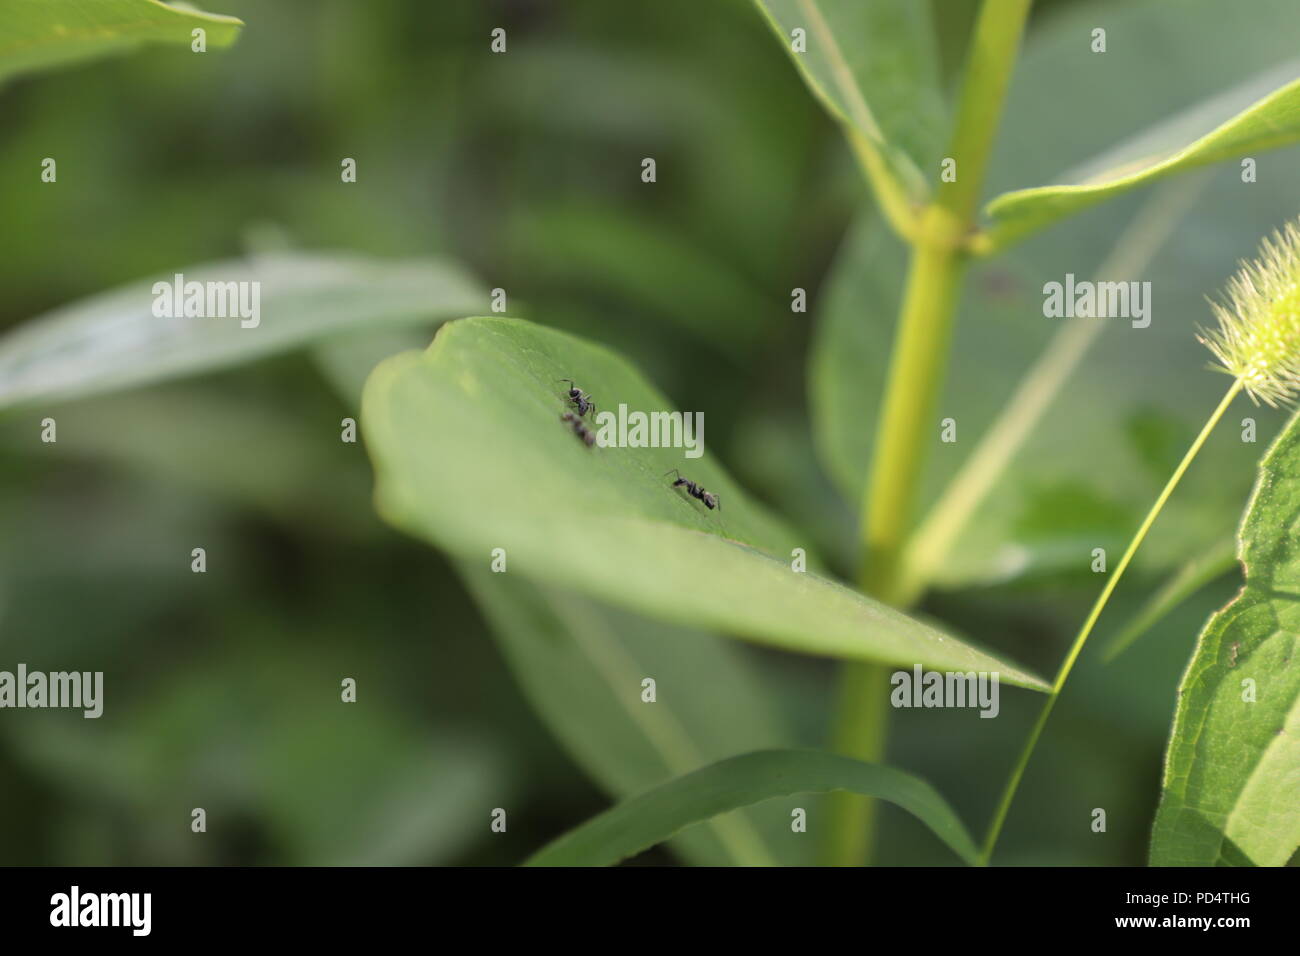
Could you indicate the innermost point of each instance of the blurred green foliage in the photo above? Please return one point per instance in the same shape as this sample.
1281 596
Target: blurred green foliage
222 689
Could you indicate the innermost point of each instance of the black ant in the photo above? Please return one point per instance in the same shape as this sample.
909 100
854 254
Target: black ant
695 491
580 399
579 428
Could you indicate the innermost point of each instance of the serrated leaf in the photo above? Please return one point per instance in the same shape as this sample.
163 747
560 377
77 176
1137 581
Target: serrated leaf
874 66
652 817
470 454
113 340
41 34
1256 121
1232 771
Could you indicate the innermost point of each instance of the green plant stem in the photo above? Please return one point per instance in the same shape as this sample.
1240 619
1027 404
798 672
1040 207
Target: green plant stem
916 374
907 425
930 542
862 717
916 371
989 66
1008 795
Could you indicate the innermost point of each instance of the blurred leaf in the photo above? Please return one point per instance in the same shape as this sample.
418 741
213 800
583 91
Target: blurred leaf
780 464
347 360
581 665
1158 439
1266 123
709 109
114 340
1189 579
606 249
1232 771
41 34
202 438
470 454
874 66
850 350
1066 510
324 783
954 21
648 819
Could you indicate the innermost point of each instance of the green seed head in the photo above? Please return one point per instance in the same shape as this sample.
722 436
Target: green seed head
1258 338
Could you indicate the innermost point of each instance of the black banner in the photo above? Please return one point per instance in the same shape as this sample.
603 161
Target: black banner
341 905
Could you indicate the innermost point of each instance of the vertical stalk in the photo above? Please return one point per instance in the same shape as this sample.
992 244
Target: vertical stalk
916 374
861 722
907 426
916 369
989 65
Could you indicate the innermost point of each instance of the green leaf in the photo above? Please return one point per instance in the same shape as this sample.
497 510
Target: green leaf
849 354
41 34
1266 123
207 451
643 821
470 454
581 665
1232 771
874 66
113 340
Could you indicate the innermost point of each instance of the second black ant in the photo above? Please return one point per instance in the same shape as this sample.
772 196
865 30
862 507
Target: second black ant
579 428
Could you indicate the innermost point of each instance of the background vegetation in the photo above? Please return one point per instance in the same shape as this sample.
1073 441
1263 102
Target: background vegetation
222 688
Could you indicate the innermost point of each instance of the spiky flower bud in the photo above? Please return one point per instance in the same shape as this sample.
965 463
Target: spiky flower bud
1258 338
